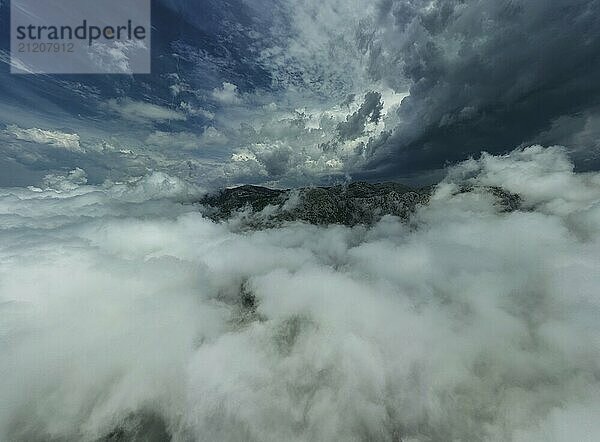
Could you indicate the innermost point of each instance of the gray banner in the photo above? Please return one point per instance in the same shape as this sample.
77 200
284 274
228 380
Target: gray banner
80 37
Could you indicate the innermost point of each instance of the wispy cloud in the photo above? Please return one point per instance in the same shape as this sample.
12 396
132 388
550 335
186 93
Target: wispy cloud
187 140
144 112
52 138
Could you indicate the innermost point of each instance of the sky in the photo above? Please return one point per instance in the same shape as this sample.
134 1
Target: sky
302 92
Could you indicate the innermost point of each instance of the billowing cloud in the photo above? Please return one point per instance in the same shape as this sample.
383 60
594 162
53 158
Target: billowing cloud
124 308
482 75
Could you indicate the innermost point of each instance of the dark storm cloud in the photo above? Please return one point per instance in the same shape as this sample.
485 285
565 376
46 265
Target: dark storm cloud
369 111
581 132
483 75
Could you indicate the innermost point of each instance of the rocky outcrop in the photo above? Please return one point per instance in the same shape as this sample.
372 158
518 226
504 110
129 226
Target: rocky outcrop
352 204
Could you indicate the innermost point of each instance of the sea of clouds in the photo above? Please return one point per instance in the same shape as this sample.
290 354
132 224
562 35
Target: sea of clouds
122 307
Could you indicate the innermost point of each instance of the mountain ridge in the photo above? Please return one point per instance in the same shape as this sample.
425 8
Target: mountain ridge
350 205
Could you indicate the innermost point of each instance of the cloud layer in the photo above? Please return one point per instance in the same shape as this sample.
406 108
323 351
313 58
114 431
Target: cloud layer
120 304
